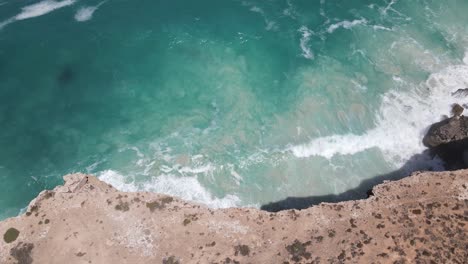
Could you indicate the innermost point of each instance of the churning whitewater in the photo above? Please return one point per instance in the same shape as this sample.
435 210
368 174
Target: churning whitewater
227 103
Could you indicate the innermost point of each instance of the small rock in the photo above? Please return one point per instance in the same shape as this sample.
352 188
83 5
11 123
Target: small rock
448 139
457 110
460 93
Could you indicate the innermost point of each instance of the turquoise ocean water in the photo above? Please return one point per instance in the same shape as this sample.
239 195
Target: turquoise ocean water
225 102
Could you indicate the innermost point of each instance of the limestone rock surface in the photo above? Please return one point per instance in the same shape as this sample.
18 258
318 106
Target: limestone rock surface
418 219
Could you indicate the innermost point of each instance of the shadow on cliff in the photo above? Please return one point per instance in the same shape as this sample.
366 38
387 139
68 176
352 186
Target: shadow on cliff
417 162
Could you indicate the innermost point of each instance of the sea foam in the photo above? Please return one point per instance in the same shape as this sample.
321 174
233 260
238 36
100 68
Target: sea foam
37 9
86 13
346 24
187 188
6 22
42 8
306 34
402 121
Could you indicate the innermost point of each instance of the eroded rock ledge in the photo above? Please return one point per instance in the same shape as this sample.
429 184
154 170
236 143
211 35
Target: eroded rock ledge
423 217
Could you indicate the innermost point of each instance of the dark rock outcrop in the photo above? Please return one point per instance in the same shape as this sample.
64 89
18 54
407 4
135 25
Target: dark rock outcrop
460 93
447 131
448 139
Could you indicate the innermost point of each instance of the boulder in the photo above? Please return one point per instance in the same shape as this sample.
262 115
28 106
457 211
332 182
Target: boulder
457 110
448 139
447 131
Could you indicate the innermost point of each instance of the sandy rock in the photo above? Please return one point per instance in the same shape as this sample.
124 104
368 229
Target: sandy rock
421 218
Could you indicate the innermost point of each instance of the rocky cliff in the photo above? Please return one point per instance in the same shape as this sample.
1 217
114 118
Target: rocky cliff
423 217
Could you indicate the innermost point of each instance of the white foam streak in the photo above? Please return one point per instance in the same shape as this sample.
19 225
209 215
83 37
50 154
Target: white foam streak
37 9
378 27
346 24
270 25
402 120
86 13
202 169
42 8
290 11
6 22
256 9
306 34
388 7
187 188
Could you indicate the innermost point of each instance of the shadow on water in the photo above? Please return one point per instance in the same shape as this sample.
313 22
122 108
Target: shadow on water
364 190
66 75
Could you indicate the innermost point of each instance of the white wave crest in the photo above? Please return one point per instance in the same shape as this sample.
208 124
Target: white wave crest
402 120
187 188
346 24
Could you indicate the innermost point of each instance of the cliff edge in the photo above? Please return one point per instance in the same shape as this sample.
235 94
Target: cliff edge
423 217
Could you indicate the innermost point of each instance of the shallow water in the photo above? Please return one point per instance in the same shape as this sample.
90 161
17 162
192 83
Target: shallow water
229 103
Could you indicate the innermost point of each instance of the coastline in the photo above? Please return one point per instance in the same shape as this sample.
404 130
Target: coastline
421 217
233 132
